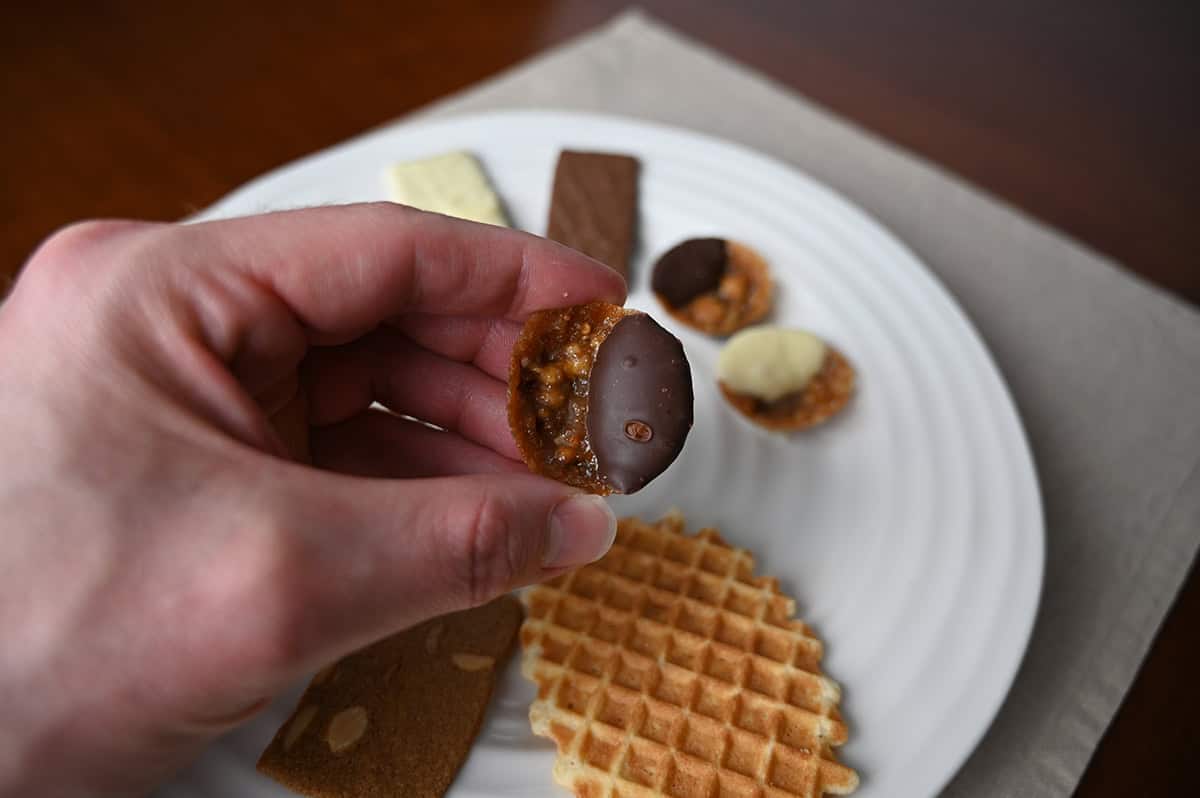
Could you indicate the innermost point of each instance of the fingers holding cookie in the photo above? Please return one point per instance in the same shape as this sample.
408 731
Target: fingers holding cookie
388 368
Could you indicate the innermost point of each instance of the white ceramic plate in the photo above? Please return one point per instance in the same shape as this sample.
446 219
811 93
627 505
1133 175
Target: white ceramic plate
909 528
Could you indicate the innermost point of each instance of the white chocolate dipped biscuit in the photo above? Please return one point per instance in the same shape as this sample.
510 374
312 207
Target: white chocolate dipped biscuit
784 380
453 184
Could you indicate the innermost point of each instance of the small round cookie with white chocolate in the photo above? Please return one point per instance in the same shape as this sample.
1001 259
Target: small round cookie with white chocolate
784 379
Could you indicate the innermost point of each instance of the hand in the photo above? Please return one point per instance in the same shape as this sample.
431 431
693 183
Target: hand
165 568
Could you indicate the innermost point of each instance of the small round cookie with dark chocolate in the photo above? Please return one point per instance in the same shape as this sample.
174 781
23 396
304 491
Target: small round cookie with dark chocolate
599 397
714 285
784 379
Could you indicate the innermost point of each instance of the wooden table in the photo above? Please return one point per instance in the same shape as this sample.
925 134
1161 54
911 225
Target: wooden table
1082 112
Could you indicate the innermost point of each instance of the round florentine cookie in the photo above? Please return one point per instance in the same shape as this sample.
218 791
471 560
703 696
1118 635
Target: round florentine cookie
713 285
599 397
821 398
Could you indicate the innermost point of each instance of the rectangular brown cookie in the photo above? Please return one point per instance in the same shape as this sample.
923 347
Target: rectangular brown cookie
397 717
594 206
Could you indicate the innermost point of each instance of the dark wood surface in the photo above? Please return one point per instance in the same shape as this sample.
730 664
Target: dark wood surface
1085 113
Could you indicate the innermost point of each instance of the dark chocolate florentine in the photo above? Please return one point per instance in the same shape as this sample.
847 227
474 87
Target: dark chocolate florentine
599 397
689 269
640 408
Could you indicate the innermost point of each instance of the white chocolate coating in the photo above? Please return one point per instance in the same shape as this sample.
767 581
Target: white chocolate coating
770 362
453 184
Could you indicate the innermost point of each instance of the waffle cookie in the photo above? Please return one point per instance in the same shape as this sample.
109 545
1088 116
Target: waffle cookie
397 717
669 668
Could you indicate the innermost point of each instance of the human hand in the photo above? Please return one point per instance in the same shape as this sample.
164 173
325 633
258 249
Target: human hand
164 567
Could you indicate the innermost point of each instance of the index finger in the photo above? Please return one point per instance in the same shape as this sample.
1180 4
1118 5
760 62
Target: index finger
344 269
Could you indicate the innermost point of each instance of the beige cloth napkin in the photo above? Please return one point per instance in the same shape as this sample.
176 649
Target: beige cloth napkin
1105 371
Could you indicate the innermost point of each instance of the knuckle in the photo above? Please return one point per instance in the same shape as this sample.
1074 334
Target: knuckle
71 252
265 586
490 564
88 231
80 238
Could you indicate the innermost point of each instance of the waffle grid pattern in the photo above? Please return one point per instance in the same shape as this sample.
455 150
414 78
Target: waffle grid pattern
668 668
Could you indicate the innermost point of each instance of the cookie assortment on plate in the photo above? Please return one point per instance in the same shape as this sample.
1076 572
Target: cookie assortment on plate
666 668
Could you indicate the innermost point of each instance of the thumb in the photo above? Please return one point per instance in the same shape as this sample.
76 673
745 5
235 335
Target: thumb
356 559
450 543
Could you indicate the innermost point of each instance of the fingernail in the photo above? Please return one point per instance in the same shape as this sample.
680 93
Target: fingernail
582 528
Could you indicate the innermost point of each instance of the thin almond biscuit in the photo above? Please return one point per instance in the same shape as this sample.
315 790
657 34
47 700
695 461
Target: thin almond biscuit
396 718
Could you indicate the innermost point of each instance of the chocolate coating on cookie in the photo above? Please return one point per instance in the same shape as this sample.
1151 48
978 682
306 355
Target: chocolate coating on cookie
713 285
640 408
689 269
